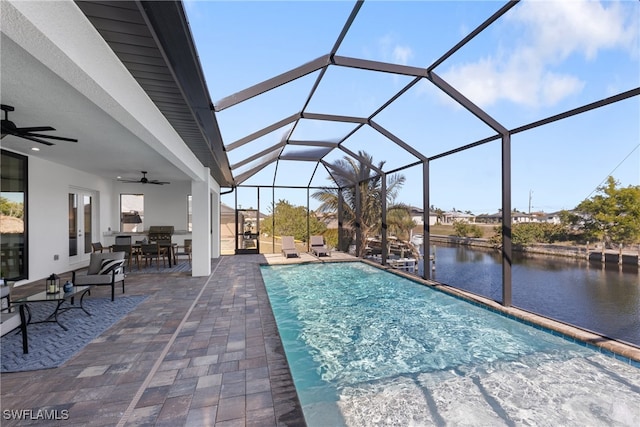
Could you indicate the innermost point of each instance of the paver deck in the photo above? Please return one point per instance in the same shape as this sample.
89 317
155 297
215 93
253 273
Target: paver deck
200 351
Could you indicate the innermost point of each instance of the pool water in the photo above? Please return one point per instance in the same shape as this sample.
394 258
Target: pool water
367 347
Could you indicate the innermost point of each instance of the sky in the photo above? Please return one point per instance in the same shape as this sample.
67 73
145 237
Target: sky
540 59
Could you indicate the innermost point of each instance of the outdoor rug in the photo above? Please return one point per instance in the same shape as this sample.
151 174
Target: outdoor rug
49 345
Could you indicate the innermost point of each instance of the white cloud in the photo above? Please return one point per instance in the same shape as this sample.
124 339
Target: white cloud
560 28
402 54
552 31
392 51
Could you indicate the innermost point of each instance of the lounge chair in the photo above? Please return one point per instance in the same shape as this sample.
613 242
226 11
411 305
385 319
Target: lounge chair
289 247
105 269
12 317
318 248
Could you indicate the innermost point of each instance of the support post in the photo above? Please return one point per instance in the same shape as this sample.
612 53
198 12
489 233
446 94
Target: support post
620 255
426 227
258 220
308 223
587 250
358 219
340 215
383 201
507 249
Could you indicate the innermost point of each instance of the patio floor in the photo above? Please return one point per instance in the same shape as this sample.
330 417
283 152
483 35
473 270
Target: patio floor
200 351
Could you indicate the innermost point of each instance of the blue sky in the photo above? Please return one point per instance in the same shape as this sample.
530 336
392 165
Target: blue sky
542 58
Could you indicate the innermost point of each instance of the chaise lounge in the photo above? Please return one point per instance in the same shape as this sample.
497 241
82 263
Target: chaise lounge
318 248
289 247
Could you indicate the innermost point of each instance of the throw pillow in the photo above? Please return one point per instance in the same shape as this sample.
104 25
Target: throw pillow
109 265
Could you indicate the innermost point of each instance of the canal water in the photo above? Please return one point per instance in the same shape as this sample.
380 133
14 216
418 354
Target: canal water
603 299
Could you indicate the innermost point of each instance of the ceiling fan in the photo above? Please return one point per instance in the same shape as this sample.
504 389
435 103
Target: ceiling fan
144 180
10 128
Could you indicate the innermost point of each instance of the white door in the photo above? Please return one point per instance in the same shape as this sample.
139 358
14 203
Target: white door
82 224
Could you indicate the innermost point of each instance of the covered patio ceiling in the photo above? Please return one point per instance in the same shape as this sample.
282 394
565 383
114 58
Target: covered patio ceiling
73 81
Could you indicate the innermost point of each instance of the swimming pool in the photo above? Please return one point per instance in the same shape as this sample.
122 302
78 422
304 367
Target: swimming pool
366 347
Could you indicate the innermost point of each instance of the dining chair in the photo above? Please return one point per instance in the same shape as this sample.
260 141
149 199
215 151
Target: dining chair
183 250
153 250
97 247
130 253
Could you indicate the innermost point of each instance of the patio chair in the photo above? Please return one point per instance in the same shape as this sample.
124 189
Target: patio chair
318 248
153 250
97 247
105 269
184 250
12 318
289 247
130 253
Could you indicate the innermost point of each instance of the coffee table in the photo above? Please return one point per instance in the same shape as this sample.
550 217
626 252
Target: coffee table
58 298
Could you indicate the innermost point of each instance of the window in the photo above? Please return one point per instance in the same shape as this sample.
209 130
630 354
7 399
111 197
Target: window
132 213
13 210
189 214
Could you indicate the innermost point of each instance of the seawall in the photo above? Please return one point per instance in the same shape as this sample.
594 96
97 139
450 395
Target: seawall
629 257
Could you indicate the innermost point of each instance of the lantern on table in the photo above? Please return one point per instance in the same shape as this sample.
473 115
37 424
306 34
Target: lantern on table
53 284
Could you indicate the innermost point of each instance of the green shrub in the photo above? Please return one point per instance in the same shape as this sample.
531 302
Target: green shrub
528 233
464 229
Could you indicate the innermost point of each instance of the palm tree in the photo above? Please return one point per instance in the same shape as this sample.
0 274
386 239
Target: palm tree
399 221
347 173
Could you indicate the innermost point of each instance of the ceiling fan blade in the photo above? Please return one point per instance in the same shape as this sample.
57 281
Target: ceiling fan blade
35 129
145 180
21 135
57 138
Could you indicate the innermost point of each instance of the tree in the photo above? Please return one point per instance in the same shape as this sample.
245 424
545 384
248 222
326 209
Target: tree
612 215
399 221
348 173
9 208
291 221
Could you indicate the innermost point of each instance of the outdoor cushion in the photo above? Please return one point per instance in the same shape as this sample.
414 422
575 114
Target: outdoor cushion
110 265
95 262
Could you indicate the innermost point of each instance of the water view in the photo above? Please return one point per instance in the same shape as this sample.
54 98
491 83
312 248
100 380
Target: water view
602 299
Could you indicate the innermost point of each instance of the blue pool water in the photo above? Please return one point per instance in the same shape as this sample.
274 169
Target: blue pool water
367 347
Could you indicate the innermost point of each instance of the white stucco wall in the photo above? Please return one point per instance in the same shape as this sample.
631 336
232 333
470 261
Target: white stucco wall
48 217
